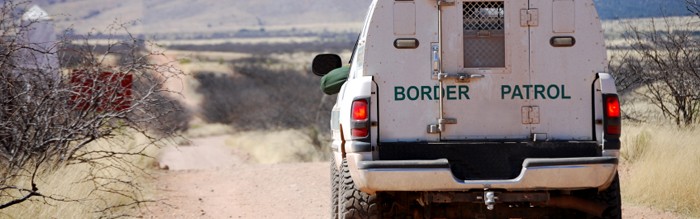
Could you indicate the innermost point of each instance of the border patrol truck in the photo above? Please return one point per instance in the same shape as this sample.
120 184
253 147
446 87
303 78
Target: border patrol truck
476 109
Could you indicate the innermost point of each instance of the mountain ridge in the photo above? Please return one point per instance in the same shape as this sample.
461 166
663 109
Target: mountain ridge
213 16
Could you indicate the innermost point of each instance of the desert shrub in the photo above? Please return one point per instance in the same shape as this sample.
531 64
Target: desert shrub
52 115
664 59
263 93
89 189
167 116
268 95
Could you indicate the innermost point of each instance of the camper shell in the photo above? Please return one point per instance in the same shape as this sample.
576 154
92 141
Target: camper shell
474 101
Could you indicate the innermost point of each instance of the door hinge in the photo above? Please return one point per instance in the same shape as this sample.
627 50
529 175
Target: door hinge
530 114
529 17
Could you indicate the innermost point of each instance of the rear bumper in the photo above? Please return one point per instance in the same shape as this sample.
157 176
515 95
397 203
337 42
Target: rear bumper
435 175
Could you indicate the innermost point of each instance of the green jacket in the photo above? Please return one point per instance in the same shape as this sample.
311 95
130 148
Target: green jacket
331 82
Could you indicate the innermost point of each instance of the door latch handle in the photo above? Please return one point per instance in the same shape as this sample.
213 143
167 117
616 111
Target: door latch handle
460 77
440 127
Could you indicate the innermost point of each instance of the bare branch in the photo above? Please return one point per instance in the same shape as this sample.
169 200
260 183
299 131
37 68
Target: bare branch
74 108
665 61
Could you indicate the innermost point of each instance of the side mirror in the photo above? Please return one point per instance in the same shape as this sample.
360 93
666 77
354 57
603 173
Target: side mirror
325 63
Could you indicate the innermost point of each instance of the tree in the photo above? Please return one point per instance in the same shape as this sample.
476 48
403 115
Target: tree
665 60
51 114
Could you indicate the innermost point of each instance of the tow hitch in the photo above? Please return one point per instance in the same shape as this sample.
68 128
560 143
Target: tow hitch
490 198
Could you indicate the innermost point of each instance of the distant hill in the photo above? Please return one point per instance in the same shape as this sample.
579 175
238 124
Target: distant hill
225 16
192 16
618 9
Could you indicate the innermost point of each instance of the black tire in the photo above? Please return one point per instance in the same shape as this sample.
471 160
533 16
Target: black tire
611 198
354 203
335 187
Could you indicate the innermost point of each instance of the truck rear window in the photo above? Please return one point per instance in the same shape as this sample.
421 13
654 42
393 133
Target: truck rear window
484 41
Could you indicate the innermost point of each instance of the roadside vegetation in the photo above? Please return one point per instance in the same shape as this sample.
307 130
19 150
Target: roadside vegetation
265 93
79 121
656 63
109 187
661 163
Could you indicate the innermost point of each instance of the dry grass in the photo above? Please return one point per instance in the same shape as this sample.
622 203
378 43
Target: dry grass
71 183
284 146
663 162
662 159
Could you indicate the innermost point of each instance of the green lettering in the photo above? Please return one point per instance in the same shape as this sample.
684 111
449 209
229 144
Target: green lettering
399 93
563 93
517 92
539 90
464 91
549 92
435 92
527 91
450 91
413 93
505 89
425 93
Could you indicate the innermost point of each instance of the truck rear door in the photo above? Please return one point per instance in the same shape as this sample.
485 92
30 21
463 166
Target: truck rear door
487 45
461 37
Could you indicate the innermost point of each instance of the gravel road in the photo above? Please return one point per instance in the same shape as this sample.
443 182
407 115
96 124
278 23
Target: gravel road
211 180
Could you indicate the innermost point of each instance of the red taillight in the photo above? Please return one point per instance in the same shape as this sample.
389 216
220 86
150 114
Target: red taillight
360 132
359 110
360 117
612 105
613 122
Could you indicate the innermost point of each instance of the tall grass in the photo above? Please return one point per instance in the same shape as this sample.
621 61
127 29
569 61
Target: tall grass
109 188
664 165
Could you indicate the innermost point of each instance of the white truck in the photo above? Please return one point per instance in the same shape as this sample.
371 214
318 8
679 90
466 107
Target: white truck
476 109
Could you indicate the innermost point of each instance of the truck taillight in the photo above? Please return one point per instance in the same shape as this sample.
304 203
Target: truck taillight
360 132
360 118
613 120
359 110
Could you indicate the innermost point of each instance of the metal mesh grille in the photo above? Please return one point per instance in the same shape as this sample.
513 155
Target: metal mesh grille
484 52
483 15
484 41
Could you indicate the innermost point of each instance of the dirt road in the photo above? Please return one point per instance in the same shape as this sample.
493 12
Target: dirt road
211 180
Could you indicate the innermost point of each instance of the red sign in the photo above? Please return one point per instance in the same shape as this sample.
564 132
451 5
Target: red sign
105 91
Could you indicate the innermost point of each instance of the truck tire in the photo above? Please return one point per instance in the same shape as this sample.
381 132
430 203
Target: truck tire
355 204
335 187
611 198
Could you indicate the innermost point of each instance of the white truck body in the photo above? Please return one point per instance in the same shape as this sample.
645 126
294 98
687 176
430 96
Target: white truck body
523 85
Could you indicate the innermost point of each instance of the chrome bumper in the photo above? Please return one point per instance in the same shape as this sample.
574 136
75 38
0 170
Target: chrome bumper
435 175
